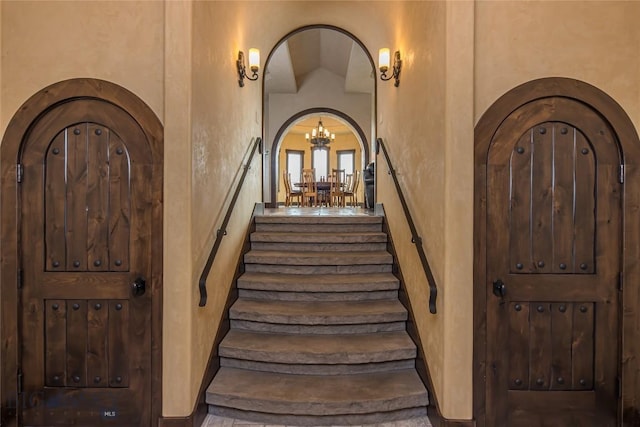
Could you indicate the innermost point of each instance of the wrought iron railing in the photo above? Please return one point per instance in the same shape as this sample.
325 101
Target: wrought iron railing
417 240
222 231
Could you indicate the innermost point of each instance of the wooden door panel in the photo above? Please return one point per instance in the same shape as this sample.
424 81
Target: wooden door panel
87 200
554 224
541 219
119 205
86 343
551 346
98 342
86 232
563 353
525 409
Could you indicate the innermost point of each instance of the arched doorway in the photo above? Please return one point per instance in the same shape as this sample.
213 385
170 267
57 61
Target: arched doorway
556 182
81 226
321 68
276 167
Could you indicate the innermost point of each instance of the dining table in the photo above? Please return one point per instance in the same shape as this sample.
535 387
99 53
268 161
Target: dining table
320 185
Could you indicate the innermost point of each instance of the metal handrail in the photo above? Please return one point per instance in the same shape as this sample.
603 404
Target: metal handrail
222 231
417 240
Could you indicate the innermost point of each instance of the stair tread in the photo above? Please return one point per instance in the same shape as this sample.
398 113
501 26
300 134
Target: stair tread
324 313
317 257
356 348
319 282
344 308
315 394
318 237
320 253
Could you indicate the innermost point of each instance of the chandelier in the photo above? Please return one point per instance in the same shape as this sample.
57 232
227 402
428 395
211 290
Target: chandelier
320 135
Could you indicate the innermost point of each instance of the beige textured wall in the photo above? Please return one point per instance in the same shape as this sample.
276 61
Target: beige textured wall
412 120
178 254
224 123
45 42
594 41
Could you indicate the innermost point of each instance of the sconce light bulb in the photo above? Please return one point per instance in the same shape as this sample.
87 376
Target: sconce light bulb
254 60
384 59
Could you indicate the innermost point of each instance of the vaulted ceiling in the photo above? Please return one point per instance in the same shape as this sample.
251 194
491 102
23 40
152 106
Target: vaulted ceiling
304 52
295 60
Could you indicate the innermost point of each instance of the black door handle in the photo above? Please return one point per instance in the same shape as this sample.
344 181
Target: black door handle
499 288
138 287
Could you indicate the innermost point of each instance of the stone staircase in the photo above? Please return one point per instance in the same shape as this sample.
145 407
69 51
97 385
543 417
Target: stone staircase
318 335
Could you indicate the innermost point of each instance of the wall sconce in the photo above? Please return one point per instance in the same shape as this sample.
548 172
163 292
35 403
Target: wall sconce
254 66
384 58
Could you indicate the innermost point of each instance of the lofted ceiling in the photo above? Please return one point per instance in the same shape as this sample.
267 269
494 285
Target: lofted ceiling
296 58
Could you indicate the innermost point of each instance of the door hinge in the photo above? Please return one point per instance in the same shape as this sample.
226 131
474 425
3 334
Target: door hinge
619 387
20 380
621 174
620 281
20 279
19 173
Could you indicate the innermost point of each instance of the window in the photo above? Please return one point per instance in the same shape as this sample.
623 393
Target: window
320 160
346 161
295 163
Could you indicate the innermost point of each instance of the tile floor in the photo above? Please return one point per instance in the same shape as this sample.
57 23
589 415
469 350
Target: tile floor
215 421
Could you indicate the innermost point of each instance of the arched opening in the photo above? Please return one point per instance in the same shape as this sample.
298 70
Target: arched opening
321 70
351 133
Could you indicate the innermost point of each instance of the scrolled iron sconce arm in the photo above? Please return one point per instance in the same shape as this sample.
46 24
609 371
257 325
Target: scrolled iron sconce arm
242 68
397 67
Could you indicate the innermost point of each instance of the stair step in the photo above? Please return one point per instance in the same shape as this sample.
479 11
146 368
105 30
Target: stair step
326 241
317 349
314 369
273 393
290 287
318 283
310 247
318 227
318 313
317 296
293 328
399 418
325 237
319 269
318 258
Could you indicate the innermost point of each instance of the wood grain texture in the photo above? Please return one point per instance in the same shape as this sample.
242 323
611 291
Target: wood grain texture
97 343
98 196
622 133
75 94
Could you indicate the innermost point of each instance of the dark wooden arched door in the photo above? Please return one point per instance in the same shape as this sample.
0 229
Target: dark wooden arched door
553 263
86 203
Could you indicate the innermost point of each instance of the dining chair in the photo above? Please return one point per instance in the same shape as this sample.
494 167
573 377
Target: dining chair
337 187
352 190
290 193
309 188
